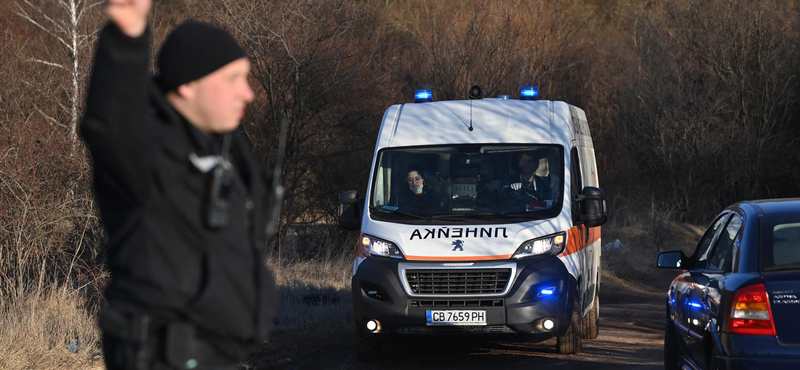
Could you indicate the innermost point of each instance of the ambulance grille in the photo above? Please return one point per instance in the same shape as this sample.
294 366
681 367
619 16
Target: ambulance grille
461 281
457 303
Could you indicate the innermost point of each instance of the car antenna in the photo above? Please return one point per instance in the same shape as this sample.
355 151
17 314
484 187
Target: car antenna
475 92
470 115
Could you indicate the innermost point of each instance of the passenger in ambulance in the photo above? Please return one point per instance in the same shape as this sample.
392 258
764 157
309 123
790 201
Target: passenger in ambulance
528 189
416 197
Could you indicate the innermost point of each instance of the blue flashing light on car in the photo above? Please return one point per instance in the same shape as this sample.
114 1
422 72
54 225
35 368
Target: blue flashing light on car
529 93
423 96
547 292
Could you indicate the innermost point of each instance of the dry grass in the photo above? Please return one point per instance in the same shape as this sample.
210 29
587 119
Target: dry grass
314 317
635 261
36 331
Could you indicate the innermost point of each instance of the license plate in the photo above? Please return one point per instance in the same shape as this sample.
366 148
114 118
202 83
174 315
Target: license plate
456 317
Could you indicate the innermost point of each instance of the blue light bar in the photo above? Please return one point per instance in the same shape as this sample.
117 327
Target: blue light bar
423 96
504 97
529 93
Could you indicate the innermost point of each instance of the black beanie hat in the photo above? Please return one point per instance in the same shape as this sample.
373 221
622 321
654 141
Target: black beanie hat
192 51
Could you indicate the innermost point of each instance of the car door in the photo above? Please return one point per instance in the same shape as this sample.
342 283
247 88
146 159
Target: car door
576 176
707 291
682 290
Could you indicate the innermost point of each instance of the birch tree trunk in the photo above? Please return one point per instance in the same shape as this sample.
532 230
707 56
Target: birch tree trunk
65 29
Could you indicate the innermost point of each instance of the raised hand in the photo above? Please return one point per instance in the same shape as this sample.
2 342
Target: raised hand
129 15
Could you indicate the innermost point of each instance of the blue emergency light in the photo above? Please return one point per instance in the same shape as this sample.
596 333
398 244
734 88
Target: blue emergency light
547 292
529 93
423 96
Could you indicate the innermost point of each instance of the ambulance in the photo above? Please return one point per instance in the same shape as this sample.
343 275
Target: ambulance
482 217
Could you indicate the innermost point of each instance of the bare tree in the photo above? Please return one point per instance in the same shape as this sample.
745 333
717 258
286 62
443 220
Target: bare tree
500 45
320 64
65 25
705 115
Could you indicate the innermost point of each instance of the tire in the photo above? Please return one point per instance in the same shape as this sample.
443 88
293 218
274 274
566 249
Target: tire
570 343
367 349
591 322
671 352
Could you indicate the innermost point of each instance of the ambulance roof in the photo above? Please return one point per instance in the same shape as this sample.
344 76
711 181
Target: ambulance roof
493 121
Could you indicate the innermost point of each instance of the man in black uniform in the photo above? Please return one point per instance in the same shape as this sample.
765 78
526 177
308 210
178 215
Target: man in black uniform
520 190
181 197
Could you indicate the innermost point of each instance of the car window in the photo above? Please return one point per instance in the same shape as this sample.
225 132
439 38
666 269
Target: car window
701 253
780 244
722 253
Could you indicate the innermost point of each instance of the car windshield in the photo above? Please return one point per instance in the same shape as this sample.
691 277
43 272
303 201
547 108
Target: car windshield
780 244
453 183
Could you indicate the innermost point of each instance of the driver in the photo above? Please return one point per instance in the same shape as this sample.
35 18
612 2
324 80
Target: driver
527 187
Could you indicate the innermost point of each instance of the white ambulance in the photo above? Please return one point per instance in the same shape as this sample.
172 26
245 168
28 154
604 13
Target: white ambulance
481 217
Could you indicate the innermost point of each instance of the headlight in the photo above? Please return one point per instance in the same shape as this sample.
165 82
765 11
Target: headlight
371 245
551 244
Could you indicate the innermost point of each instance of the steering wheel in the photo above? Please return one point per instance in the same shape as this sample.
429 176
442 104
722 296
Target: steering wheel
529 192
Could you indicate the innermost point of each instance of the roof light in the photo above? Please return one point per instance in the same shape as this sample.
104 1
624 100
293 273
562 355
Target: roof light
504 97
529 93
423 96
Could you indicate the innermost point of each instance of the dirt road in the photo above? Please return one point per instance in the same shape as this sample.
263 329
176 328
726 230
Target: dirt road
631 337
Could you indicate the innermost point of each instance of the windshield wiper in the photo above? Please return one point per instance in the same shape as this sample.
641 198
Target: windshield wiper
483 215
396 212
791 266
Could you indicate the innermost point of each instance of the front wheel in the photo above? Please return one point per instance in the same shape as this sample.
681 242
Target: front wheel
570 343
591 322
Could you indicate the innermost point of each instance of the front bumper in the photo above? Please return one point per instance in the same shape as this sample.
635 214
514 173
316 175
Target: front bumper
380 294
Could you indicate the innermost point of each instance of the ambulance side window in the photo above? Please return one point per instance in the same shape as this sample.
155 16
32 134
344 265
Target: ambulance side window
575 176
575 172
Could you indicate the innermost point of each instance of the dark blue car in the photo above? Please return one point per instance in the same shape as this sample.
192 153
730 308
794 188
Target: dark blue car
736 305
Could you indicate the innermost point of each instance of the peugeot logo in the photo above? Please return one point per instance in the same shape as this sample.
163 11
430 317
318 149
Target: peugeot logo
458 245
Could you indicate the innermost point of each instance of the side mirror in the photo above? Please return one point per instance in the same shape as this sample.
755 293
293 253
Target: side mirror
593 207
672 260
349 211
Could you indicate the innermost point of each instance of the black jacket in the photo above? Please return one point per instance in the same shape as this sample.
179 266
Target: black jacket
425 202
542 190
163 259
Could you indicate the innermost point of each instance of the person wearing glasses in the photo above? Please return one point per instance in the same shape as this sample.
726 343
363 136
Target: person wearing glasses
416 197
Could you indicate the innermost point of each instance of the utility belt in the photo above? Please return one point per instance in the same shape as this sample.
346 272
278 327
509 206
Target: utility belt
138 341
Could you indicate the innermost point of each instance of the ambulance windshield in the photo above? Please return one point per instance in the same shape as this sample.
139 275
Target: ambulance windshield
468 182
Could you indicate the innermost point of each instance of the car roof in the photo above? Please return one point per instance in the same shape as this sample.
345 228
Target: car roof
494 121
773 207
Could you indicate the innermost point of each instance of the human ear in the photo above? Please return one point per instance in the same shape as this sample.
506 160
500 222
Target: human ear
187 91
